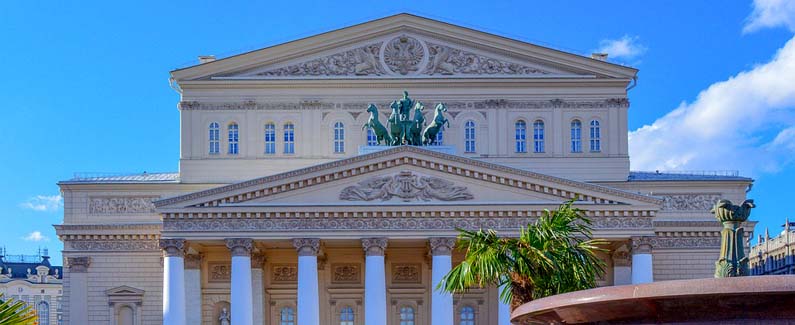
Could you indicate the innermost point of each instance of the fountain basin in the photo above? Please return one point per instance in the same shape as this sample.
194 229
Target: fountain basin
752 299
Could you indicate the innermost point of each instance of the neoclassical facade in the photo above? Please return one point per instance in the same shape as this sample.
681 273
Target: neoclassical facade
34 281
285 211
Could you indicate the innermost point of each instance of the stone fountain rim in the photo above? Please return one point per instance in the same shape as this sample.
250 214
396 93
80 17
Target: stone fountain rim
769 284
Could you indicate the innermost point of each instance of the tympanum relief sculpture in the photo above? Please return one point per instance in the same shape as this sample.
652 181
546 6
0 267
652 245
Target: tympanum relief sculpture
406 186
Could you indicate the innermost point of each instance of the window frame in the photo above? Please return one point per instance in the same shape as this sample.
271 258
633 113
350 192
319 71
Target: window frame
269 138
470 136
233 138
289 142
214 138
339 137
575 136
595 136
539 141
520 136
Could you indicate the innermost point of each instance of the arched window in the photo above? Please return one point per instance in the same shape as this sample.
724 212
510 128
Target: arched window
596 136
43 310
406 315
439 141
469 136
234 139
214 138
576 136
467 316
346 316
339 137
372 139
289 138
270 138
287 316
538 136
521 136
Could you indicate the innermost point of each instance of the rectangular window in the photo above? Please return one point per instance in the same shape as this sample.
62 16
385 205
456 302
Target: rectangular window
233 139
538 137
289 138
270 139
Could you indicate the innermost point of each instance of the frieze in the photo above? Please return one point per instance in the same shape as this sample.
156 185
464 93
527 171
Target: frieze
689 201
251 105
121 204
219 272
451 105
686 242
346 273
386 223
406 186
554 103
112 245
406 273
284 273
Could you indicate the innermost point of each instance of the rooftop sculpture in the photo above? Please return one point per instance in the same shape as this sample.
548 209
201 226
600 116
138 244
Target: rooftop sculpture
403 130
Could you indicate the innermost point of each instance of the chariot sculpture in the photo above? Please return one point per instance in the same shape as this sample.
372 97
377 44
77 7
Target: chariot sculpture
402 127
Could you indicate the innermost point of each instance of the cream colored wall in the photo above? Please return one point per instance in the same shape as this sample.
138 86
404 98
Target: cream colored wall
684 264
33 293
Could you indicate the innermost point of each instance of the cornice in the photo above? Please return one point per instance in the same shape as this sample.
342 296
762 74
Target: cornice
403 83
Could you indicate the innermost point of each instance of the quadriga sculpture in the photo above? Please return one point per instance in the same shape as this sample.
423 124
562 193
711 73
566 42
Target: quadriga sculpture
402 130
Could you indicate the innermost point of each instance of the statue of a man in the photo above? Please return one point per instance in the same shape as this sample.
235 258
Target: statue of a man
405 104
224 318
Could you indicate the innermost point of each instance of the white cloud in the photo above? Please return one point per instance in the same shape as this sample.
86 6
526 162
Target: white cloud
43 203
626 47
771 13
36 236
745 122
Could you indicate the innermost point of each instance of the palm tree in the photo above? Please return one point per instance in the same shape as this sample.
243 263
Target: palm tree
553 255
15 313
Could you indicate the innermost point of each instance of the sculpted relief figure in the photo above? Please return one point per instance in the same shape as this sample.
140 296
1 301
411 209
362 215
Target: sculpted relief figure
224 318
406 186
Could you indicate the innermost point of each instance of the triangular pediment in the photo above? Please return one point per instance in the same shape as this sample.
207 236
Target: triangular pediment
406 175
403 46
124 291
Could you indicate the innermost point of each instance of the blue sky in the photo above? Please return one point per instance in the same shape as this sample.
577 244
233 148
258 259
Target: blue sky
85 89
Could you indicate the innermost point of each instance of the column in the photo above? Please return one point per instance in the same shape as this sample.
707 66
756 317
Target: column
257 261
374 281
242 312
441 302
173 281
193 289
622 270
77 300
642 268
504 310
308 312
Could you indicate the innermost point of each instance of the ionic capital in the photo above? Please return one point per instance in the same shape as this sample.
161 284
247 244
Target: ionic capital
642 245
240 246
78 264
173 246
307 246
257 261
374 246
193 261
442 245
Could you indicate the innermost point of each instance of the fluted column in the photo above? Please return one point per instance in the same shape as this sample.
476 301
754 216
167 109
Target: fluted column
77 273
257 261
642 267
374 281
242 312
193 289
308 298
441 302
173 281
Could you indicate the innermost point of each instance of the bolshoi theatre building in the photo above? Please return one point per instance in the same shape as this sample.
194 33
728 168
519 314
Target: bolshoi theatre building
289 207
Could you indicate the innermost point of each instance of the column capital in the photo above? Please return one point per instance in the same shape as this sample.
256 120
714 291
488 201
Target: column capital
374 246
307 246
193 261
240 246
173 246
642 245
621 256
257 260
78 264
442 245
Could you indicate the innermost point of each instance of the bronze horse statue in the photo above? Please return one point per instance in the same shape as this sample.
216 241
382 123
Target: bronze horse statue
381 134
430 132
415 132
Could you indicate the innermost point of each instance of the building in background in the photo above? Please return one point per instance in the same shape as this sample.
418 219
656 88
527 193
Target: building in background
32 279
283 212
774 255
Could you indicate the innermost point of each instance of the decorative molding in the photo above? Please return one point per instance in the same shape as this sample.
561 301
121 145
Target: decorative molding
193 261
240 246
121 204
404 55
408 222
553 104
447 60
442 245
686 242
284 273
621 256
173 246
433 160
360 61
219 272
78 264
101 245
406 273
257 260
688 201
346 273
374 246
306 246
407 186
642 244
